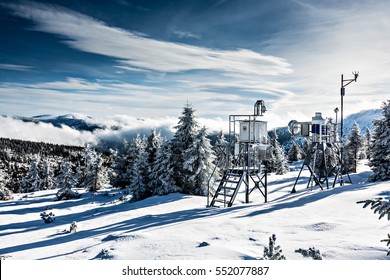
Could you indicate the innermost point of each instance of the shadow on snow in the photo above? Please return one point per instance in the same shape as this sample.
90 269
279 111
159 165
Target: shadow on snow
125 226
308 195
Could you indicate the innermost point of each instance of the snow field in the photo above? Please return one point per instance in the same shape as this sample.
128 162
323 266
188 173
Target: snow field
181 227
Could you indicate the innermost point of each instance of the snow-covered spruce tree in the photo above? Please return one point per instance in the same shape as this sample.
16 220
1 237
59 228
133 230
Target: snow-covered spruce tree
332 158
380 148
95 173
48 181
367 142
5 193
199 163
73 227
222 154
281 163
271 159
382 207
273 251
81 169
66 180
294 153
307 146
122 164
139 187
353 145
162 180
278 161
32 182
183 138
101 175
47 217
312 252
86 171
153 145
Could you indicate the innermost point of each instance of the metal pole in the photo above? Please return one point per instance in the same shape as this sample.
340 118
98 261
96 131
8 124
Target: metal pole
342 93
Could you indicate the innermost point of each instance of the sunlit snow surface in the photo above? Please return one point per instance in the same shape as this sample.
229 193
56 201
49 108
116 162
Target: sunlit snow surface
182 227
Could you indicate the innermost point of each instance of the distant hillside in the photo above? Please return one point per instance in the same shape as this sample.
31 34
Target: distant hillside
75 121
116 131
363 119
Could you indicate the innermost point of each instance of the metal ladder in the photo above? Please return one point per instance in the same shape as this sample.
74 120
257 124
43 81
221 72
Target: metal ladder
228 188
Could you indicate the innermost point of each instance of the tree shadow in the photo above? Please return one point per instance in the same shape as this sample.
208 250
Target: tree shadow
124 226
108 208
307 196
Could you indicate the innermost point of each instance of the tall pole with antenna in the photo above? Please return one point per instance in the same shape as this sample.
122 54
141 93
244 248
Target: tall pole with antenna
344 83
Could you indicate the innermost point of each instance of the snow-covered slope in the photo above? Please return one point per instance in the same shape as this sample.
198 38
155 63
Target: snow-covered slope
75 121
363 119
182 227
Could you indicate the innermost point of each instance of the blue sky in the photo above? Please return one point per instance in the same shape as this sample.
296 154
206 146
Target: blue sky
149 58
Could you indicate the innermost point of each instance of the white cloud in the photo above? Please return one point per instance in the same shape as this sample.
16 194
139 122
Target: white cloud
229 79
85 33
117 128
74 84
42 132
186 34
330 39
15 67
333 39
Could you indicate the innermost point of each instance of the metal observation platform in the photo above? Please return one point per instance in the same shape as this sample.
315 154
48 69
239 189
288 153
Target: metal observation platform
322 158
245 154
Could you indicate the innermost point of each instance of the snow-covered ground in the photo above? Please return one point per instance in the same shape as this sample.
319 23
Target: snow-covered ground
182 227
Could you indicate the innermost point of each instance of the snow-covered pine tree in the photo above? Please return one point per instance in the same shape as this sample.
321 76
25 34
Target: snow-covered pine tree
382 207
32 182
199 163
113 170
294 153
222 153
5 193
312 252
278 159
368 141
47 217
183 138
101 175
48 182
133 151
139 187
66 180
281 163
271 160
153 145
332 158
95 173
307 146
273 251
122 161
162 181
353 144
380 148
85 170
